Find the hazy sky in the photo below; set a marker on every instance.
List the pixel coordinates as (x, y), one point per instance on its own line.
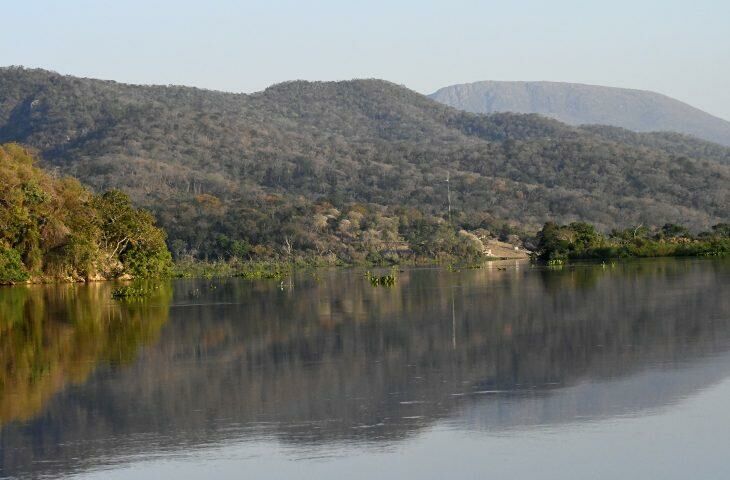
(680, 48)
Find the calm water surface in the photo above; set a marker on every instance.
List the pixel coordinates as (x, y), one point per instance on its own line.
(579, 372)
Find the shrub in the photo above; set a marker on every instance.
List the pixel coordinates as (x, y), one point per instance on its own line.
(11, 266)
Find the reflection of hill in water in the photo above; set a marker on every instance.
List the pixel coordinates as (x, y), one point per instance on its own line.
(640, 393)
(337, 360)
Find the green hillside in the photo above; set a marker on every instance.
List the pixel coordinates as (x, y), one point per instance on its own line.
(363, 162)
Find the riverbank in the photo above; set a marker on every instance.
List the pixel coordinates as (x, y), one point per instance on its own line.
(281, 269)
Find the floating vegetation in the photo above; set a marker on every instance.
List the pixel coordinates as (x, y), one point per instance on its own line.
(459, 267)
(265, 270)
(382, 281)
(251, 270)
(199, 269)
(134, 291)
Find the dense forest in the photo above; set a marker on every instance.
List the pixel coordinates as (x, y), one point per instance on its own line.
(54, 228)
(364, 162)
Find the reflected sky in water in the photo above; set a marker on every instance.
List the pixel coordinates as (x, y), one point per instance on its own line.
(587, 371)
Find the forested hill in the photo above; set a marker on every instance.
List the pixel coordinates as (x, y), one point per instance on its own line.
(289, 162)
(578, 104)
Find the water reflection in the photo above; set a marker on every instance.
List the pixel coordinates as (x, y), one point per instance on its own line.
(330, 360)
(51, 337)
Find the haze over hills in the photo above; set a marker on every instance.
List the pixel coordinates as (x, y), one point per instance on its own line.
(269, 167)
(579, 104)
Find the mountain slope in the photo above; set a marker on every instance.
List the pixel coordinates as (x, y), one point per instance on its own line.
(578, 104)
(264, 166)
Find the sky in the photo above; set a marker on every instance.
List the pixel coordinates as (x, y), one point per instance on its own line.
(679, 48)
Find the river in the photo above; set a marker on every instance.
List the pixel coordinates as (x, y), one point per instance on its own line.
(508, 371)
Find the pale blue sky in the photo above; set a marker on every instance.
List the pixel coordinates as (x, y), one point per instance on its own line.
(680, 48)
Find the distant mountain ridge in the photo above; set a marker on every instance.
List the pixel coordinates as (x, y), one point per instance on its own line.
(581, 104)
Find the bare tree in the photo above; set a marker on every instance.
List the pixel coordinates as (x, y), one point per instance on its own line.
(288, 247)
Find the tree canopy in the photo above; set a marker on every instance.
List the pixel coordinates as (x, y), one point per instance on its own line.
(556, 243)
(53, 227)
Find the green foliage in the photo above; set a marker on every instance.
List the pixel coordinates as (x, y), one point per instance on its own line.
(252, 270)
(136, 291)
(11, 266)
(218, 168)
(190, 268)
(229, 249)
(55, 228)
(132, 236)
(265, 270)
(147, 260)
(722, 230)
(557, 243)
(130, 291)
(434, 238)
(382, 281)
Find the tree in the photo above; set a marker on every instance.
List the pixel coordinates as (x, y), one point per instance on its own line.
(131, 235)
(56, 228)
(671, 230)
(11, 266)
(722, 230)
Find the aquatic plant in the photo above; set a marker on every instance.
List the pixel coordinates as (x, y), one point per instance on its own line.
(265, 270)
(384, 280)
(133, 291)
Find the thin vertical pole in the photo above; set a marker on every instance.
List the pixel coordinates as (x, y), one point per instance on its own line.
(453, 321)
(448, 193)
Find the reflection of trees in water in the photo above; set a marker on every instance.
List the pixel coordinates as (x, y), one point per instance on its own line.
(335, 359)
(54, 336)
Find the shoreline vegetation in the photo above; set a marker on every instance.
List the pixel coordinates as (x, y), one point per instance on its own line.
(556, 244)
(553, 245)
(54, 229)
